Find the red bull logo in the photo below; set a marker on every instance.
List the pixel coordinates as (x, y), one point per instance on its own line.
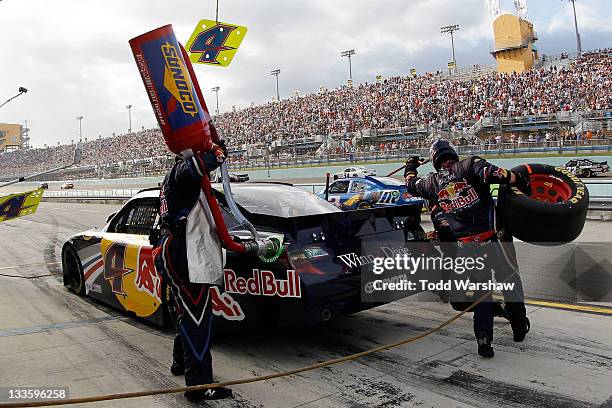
(177, 82)
(147, 278)
(224, 305)
(456, 195)
(263, 283)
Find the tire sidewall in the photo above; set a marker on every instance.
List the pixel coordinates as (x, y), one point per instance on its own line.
(75, 279)
(543, 222)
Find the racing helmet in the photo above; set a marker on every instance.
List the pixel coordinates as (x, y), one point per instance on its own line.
(439, 149)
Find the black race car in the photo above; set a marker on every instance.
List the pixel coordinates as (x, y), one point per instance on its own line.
(314, 280)
(587, 167)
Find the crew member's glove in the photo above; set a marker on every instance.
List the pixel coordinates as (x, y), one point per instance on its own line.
(412, 164)
(215, 156)
(522, 183)
(221, 144)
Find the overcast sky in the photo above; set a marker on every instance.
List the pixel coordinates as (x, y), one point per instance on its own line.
(74, 57)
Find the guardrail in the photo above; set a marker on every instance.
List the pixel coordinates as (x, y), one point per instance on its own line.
(492, 149)
(600, 204)
(93, 194)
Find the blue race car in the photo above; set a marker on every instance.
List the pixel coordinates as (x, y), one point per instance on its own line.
(367, 192)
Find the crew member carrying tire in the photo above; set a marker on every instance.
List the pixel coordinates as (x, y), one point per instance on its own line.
(462, 190)
(179, 200)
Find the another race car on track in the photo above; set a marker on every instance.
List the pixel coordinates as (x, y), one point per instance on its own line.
(367, 192)
(587, 167)
(316, 278)
(355, 171)
(215, 177)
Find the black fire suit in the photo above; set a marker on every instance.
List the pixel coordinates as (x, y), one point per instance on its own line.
(462, 192)
(179, 193)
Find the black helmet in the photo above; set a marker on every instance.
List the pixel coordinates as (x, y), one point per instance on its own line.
(439, 149)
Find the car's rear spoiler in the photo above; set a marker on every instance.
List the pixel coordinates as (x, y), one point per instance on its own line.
(335, 225)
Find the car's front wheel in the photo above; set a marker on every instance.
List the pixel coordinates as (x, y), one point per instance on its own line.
(73, 271)
(587, 173)
(364, 205)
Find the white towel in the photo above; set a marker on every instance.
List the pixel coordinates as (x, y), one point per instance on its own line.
(205, 256)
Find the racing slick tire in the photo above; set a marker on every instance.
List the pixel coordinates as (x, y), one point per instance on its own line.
(364, 205)
(73, 271)
(555, 212)
(587, 173)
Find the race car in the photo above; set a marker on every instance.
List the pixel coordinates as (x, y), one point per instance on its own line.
(67, 186)
(367, 192)
(356, 171)
(587, 167)
(317, 276)
(215, 177)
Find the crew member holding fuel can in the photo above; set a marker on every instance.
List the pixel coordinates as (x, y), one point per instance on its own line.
(179, 196)
(188, 254)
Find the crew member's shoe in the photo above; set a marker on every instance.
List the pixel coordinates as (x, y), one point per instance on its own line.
(177, 368)
(209, 394)
(521, 329)
(484, 346)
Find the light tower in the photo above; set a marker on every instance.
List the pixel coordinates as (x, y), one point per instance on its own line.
(450, 29)
(129, 108)
(275, 73)
(216, 91)
(578, 40)
(349, 53)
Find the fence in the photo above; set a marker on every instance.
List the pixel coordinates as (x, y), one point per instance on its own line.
(488, 149)
(86, 194)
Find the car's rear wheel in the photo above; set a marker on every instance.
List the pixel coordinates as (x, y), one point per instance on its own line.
(587, 173)
(73, 271)
(554, 213)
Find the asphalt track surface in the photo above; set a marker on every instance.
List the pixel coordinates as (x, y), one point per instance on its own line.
(51, 337)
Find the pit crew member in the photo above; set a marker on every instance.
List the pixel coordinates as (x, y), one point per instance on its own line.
(461, 189)
(180, 199)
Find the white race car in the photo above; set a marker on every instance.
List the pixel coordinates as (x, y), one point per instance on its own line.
(356, 171)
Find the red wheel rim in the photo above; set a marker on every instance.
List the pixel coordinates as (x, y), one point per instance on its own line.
(547, 188)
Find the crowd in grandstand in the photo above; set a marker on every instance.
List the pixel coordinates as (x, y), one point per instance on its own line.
(409, 101)
(397, 102)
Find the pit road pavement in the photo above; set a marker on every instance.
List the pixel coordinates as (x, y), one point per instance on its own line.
(51, 337)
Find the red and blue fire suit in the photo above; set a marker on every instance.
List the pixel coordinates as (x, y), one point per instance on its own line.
(179, 194)
(462, 192)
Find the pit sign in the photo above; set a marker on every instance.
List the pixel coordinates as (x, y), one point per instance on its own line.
(215, 43)
(20, 204)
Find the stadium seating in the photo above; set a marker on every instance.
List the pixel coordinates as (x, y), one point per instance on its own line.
(396, 114)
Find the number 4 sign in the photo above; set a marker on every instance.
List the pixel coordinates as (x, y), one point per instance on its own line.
(214, 43)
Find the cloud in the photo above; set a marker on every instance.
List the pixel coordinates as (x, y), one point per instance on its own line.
(74, 57)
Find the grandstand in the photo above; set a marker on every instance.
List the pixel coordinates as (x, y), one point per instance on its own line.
(555, 105)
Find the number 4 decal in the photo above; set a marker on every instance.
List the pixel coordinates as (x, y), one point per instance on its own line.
(214, 43)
